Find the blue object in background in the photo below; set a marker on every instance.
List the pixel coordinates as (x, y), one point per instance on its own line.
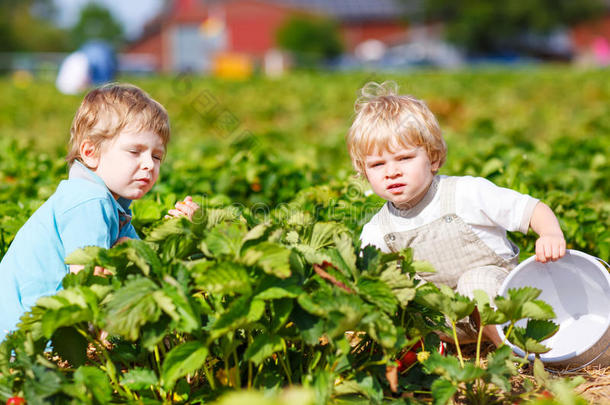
(102, 61)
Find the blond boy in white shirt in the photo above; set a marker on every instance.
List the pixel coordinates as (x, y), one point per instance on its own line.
(458, 224)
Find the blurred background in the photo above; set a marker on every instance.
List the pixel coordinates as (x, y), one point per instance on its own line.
(239, 38)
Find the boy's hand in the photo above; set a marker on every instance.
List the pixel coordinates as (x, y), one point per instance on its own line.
(186, 208)
(550, 244)
(550, 247)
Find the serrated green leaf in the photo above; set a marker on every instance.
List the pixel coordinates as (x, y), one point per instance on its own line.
(280, 313)
(216, 216)
(274, 293)
(138, 379)
(225, 239)
(222, 277)
(263, 347)
(442, 391)
(345, 247)
(487, 315)
(131, 307)
(381, 328)
(421, 266)
(537, 309)
(242, 311)
(96, 383)
(528, 343)
(84, 256)
(257, 232)
(363, 385)
(322, 234)
(182, 360)
(168, 228)
(185, 317)
(44, 383)
(292, 238)
(454, 306)
(402, 286)
(512, 305)
(449, 367)
(378, 293)
(501, 367)
(143, 256)
(271, 257)
(66, 316)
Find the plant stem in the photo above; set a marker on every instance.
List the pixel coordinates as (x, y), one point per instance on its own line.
(250, 340)
(286, 370)
(157, 359)
(237, 370)
(110, 369)
(457, 344)
(510, 329)
(479, 338)
(209, 376)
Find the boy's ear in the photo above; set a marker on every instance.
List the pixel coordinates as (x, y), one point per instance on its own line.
(89, 154)
(435, 165)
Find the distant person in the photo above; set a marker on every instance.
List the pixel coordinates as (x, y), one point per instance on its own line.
(94, 64)
(458, 224)
(117, 142)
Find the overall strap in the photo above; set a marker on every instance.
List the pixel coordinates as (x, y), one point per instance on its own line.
(385, 220)
(447, 196)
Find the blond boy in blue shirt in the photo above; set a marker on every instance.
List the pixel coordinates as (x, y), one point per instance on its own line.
(117, 142)
(457, 223)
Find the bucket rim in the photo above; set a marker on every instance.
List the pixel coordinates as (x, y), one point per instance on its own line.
(556, 359)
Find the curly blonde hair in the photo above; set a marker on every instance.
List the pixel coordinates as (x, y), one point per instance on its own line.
(112, 108)
(386, 120)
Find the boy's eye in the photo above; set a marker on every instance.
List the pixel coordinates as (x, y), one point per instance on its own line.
(157, 157)
(375, 164)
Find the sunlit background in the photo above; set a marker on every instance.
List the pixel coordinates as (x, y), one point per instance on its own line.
(238, 38)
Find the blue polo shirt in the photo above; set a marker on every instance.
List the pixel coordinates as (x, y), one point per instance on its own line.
(82, 212)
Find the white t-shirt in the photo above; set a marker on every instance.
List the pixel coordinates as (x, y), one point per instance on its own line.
(488, 209)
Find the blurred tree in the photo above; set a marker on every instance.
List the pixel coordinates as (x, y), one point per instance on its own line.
(97, 22)
(26, 25)
(483, 26)
(311, 40)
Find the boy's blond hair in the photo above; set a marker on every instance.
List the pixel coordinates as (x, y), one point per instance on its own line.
(386, 120)
(108, 110)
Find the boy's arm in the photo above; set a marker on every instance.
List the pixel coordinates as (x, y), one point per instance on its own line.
(551, 244)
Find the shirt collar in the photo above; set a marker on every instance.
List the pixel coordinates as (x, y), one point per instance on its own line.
(417, 208)
(80, 171)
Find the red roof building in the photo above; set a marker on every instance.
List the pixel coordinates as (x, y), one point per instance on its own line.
(188, 34)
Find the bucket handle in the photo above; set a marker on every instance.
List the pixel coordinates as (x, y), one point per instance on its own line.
(604, 262)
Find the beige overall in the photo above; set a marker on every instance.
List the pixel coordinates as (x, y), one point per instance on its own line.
(462, 260)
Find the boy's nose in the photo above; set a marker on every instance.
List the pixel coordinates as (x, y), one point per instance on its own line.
(392, 171)
(147, 162)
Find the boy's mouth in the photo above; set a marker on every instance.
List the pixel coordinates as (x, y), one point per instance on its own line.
(395, 188)
(143, 180)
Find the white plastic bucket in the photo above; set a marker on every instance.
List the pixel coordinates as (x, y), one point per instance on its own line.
(577, 286)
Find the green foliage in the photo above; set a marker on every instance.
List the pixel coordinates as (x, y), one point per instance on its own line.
(96, 22)
(26, 26)
(311, 40)
(491, 26)
(267, 288)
